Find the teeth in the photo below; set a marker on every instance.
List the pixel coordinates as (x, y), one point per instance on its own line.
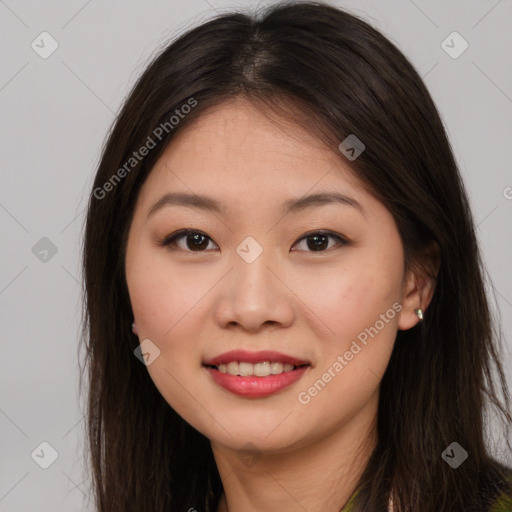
(232, 368)
(276, 368)
(262, 369)
(246, 369)
(259, 369)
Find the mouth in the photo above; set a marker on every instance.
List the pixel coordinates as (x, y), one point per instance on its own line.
(256, 374)
(255, 358)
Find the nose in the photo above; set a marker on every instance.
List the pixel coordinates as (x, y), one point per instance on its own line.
(253, 295)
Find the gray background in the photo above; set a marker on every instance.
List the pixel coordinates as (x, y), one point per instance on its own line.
(55, 113)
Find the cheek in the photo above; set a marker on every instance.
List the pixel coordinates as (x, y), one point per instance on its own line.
(352, 297)
(162, 294)
(166, 301)
(358, 307)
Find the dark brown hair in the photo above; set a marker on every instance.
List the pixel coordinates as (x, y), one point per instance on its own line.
(324, 69)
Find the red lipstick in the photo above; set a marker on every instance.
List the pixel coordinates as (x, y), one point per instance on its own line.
(252, 386)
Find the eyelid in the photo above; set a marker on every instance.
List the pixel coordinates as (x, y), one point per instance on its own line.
(170, 239)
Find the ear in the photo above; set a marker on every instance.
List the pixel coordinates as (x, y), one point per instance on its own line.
(419, 285)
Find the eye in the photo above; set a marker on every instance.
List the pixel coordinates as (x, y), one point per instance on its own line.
(319, 239)
(197, 241)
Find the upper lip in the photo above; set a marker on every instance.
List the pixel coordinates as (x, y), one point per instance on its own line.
(254, 357)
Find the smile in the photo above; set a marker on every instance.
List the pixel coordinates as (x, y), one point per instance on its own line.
(255, 375)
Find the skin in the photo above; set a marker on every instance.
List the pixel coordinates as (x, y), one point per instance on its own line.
(309, 304)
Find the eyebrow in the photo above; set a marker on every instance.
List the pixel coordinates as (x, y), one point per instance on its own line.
(291, 206)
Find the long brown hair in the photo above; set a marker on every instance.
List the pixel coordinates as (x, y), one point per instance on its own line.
(319, 67)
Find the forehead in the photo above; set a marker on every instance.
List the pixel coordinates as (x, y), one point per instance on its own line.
(235, 149)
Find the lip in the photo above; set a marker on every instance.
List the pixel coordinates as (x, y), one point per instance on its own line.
(256, 387)
(255, 357)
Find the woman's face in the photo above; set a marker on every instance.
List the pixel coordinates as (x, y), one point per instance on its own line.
(252, 277)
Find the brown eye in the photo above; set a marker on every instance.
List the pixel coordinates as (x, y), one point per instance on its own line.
(195, 241)
(318, 241)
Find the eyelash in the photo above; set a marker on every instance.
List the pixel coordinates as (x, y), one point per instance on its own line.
(169, 241)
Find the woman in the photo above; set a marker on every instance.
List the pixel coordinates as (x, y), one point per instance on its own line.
(285, 305)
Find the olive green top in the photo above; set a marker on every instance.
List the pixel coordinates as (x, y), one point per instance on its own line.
(502, 504)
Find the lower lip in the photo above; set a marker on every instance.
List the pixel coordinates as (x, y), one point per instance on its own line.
(256, 387)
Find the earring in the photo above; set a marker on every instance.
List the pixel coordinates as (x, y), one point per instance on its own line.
(134, 329)
(419, 313)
